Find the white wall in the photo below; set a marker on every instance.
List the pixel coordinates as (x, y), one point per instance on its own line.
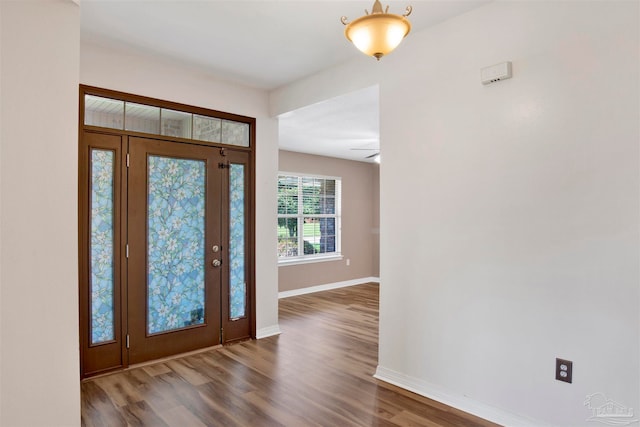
(1, 48)
(127, 72)
(38, 215)
(321, 86)
(525, 200)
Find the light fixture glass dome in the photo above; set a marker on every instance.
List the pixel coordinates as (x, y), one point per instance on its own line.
(378, 33)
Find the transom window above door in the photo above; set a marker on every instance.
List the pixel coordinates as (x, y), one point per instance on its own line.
(308, 218)
(138, 117)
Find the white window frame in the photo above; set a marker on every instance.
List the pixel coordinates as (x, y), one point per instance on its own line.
(311, 258)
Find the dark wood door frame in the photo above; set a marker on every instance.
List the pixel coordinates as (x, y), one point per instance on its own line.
(96, 359)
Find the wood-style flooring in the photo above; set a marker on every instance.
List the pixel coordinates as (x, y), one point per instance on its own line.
(318, 372)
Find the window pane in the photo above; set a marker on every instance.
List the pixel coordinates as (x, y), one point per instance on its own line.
(311, 188)
(311, 236)
(102, 246)
(329, 187)
(328, 196)
(235, 133)
(287, 237)
(287, 195)
(103, 112)
(327, 228)
(327, 205)
(319, 235)
(142, 118)
(207, 128)
(176, 201)
(238, 286)
(176, 123)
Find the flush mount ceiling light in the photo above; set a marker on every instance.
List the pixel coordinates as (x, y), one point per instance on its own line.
(379, 32)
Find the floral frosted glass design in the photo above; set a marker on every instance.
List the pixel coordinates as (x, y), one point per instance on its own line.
(176, 226)
(237, 281)
(102, 262)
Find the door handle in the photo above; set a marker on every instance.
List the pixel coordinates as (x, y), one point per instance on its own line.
(216, 263)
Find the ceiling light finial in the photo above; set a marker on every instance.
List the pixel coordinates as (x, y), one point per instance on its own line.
(379, 32)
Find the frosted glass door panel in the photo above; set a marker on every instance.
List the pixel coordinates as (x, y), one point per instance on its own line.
(102, 246)
(237, 281)
(175, 253)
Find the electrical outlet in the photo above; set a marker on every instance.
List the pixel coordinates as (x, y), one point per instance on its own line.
(348, 262)
(564, 370)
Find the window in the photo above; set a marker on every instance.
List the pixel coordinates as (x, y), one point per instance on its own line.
(308, 218)
(125, 115)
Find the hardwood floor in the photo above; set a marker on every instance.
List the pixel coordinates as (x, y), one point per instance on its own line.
(318, 372)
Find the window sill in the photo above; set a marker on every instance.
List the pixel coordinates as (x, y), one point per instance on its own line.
(296, 261)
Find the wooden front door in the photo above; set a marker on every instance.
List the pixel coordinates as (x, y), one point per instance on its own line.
(164, 234)
(175, 254)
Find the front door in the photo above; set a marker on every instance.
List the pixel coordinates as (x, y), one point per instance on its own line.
(175, 248)
(164, 236)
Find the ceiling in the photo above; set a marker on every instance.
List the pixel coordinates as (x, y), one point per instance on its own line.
(264, 44)
(346, 127)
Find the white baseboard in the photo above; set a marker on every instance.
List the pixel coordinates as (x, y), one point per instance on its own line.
(269, 331)
(328, 286)
(462, 403)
